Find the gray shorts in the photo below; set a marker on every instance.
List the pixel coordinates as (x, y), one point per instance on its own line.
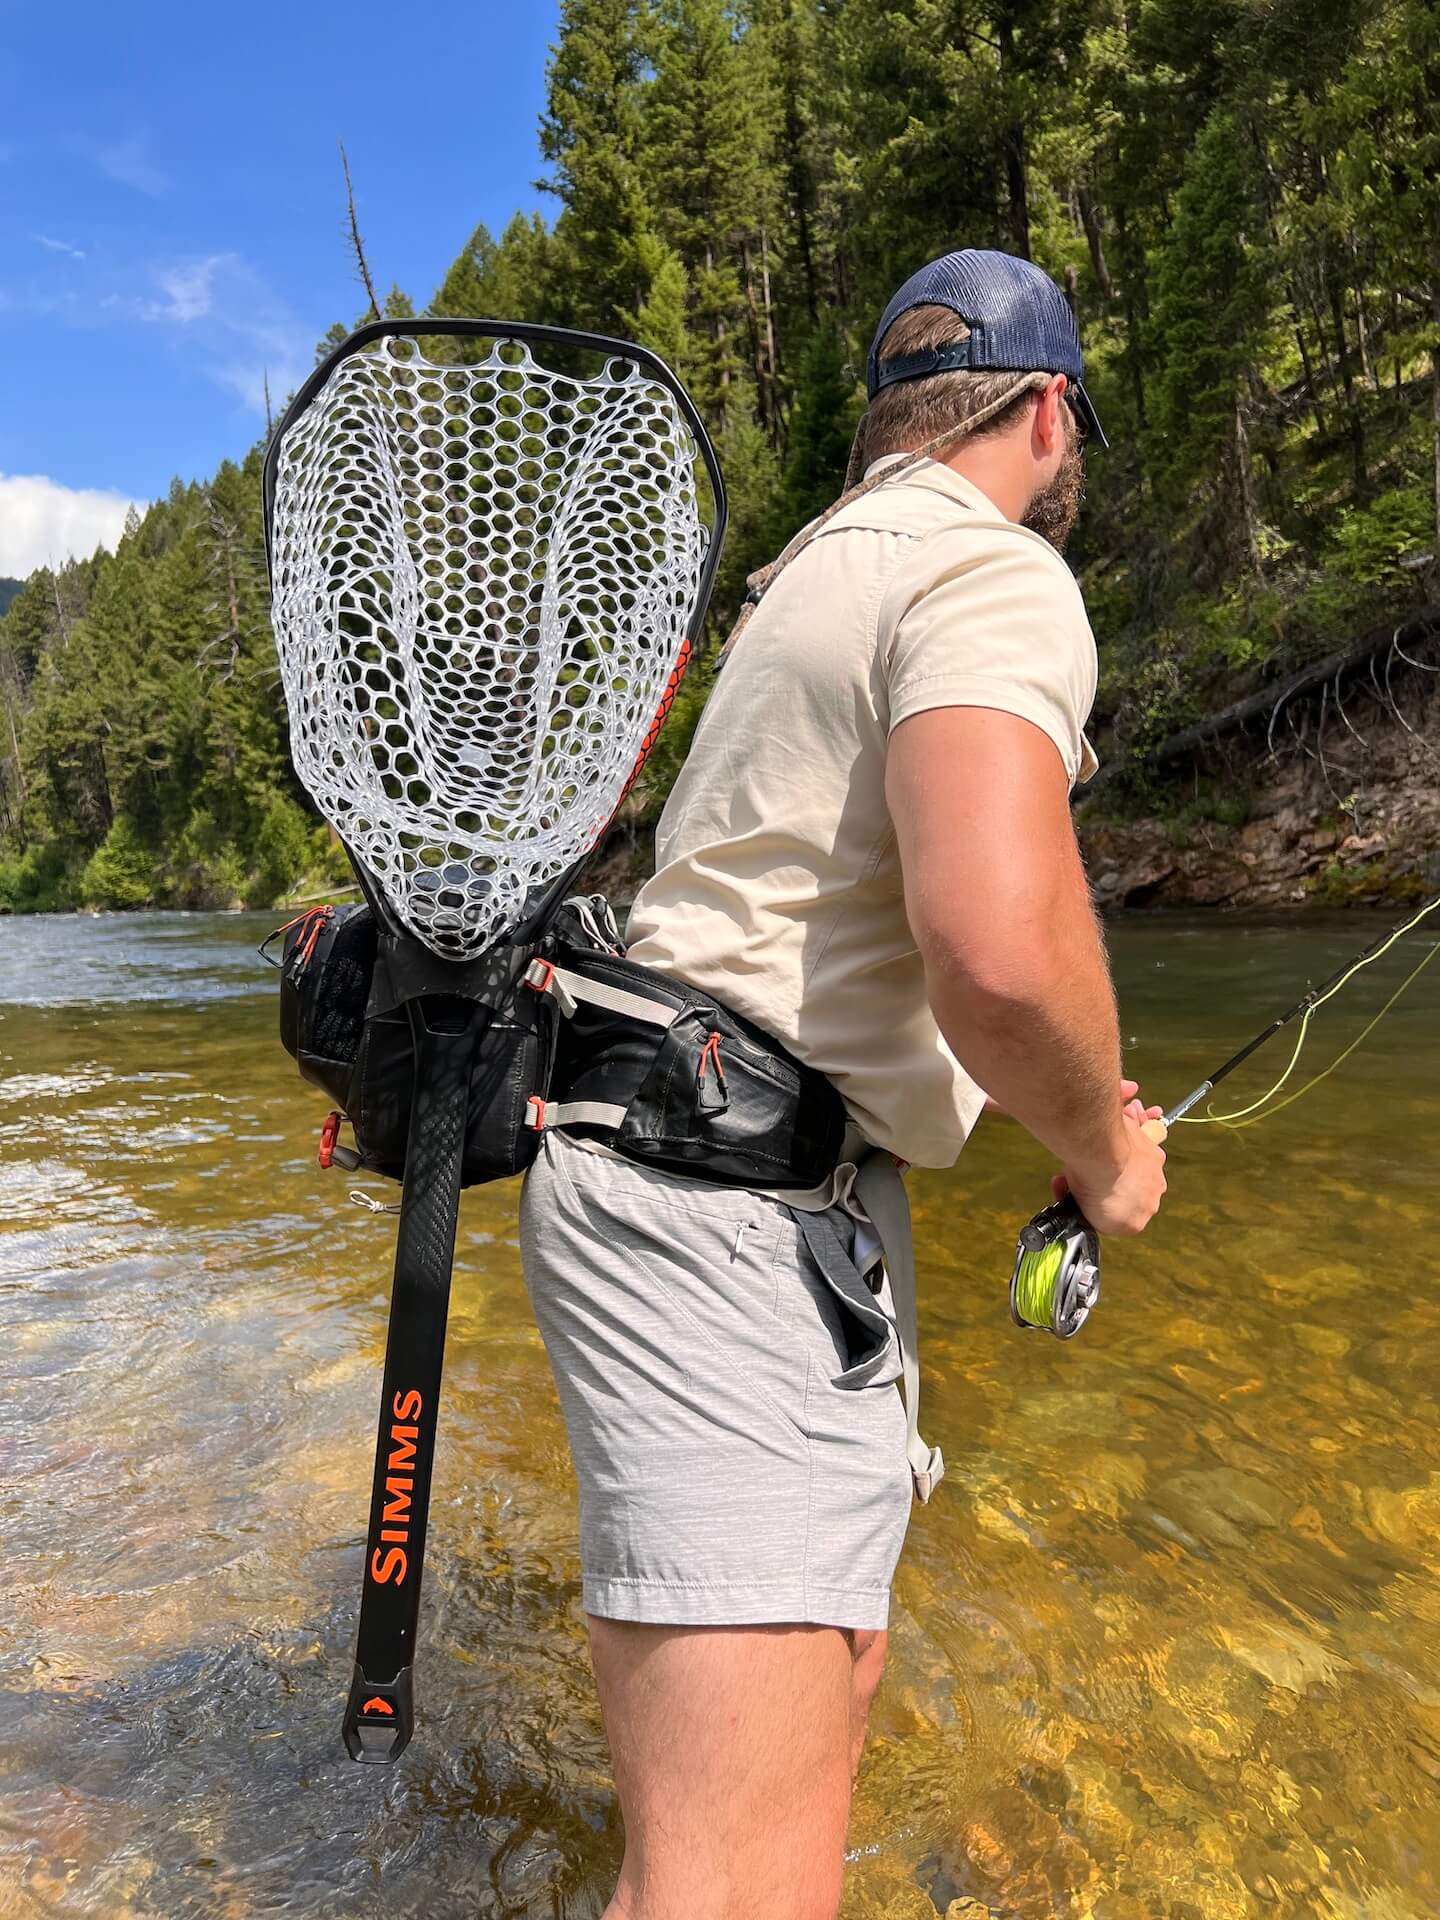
(728, 1380)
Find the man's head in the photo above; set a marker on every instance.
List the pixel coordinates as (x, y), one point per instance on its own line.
(985, 345)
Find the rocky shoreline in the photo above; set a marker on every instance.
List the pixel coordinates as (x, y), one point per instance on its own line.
(1341, 821)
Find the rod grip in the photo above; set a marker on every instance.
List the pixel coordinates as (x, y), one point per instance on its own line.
(1155, 1130)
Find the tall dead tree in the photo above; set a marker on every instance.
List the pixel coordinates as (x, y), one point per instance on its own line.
(356, 243)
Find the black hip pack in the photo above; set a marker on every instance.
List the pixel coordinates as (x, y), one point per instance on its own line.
(578, 1038)
(666, 1075)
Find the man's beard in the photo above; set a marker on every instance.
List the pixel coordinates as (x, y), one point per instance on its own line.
(1052, 512)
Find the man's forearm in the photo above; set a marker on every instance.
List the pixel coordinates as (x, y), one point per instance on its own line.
(1044, 1043)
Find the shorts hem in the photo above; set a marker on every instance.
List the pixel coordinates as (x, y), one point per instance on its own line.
(659, 1603)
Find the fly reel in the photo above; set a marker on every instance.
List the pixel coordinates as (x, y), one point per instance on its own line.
(1056, 1280)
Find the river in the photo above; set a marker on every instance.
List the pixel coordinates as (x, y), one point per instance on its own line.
(1166, 1643)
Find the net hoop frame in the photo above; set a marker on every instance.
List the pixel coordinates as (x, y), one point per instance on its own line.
(529, 334)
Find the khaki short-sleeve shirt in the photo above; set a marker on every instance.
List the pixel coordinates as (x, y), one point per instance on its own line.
(778, 885)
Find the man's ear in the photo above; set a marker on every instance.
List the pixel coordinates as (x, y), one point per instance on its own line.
(1050, 414)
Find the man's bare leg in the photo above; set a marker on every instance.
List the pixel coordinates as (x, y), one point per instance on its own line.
(867, 1653)
(734, 1751)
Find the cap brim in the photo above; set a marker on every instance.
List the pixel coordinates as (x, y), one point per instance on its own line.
(1087, 413)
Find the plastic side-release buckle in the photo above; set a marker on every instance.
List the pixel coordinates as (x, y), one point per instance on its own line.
(544, 977)
(329, 1134)
(535, 1113)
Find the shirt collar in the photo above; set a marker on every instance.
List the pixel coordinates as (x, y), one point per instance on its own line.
(940, 479)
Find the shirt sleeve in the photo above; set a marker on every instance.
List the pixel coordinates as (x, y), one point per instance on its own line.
(992, 617)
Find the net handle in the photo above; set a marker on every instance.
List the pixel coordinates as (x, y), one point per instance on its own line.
(528, 333)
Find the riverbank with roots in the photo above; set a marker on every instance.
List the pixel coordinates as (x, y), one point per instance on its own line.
(1323, 791)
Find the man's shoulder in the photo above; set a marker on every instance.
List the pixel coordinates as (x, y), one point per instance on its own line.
(996, 562)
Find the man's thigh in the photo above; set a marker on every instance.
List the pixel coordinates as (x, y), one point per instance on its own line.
(733, 1753)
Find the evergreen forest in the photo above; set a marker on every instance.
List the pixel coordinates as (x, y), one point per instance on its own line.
(1240, 197)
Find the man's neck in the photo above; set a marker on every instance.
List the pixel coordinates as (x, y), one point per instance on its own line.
(991, 466)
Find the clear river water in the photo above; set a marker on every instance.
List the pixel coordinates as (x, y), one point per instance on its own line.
(1165, 1646)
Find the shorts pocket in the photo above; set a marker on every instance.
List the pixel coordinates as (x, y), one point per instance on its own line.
(867, 1351)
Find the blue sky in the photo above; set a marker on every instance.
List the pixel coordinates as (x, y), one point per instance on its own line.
(171, 217)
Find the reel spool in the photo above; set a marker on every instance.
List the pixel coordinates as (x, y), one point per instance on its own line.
(1056, 1280)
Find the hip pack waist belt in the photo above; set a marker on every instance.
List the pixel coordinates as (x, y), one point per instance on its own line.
(662, 1074)
(668, 1076)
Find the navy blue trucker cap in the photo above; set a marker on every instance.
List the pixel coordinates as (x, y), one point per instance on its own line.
(1018, 318)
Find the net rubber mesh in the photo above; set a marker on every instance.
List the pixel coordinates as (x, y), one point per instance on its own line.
(483, 577)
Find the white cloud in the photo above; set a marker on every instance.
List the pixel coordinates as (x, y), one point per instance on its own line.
(128, 162)
(43, 523)
(189, 289)
(51, 245)
(229, 315)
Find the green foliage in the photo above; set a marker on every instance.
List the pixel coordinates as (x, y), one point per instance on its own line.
(120, 873)
(282, 852)
(1242, 202)
(1370, 542)
(43, 879)
(1212, 321)
(205, 869)
(143, 756)
(822, 425)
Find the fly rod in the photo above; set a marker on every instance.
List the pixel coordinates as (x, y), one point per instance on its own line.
(1056, 1278)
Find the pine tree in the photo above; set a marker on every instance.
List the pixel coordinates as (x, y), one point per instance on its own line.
(1214, 314)
(506, 279)
(706, 120)
(828, 405)
(590, 134)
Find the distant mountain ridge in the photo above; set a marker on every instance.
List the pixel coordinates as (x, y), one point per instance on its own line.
(8, 591)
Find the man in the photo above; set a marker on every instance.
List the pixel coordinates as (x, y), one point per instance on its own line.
(869, 854)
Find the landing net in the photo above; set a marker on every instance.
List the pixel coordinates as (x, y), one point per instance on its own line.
(483, 579)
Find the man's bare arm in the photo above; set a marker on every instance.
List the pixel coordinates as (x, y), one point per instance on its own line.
(1015, 967)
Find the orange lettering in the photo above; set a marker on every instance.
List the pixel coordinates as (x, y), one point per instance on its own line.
(404, 1453)
(408, 1405)
(388, 1567)
(397, 1508)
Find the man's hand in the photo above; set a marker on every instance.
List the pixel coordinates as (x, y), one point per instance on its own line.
(1124, 1202)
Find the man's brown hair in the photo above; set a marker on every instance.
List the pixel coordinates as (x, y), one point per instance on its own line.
(914, 412)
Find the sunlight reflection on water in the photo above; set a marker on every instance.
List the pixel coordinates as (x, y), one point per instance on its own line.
(1165, 1644)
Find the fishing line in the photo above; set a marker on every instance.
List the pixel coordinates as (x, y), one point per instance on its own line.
(1238, 1125)
(1056, 1278)
(1240, 1117)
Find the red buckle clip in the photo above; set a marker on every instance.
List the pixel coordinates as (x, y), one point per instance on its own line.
(329, 1134)
(540, 974)
(535, 1113)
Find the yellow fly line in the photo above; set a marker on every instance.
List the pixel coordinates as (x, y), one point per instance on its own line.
(1251, 1116)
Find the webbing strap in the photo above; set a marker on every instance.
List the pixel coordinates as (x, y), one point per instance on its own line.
(577, 987)
(881, 1191)
(585, 1113)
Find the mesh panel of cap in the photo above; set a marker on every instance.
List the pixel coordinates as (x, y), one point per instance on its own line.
(1018, 317)
(482, 580)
